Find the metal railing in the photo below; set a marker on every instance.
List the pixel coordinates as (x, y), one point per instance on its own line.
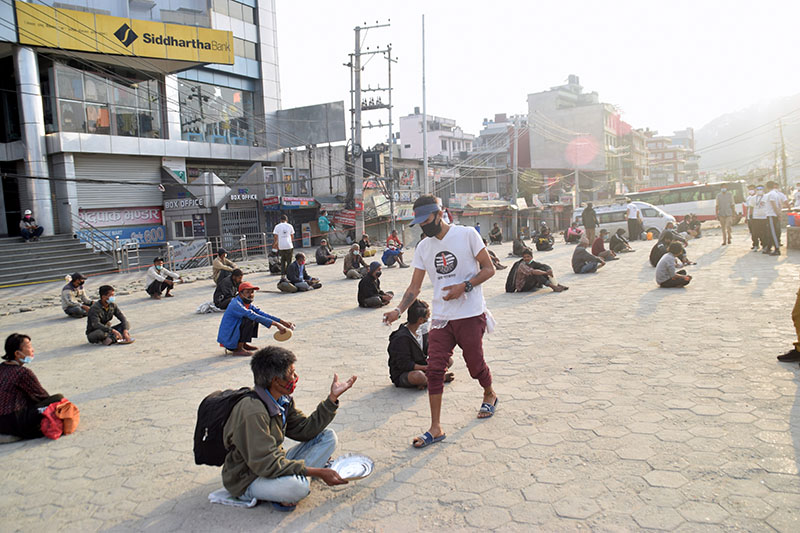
(130, 256)
(98, 240)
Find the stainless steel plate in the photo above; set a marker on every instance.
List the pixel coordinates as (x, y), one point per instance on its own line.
(353, 466)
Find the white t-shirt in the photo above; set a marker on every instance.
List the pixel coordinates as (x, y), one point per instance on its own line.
(797, 198)
(451, 261)
(633, 211)
(284, 231)
(759, 206)
(774, 196)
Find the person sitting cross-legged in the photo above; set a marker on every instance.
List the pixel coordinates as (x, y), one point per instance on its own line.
(528, 275)
(408, 350)
(583, 262)
(74, 301)
(256, 465)
(298, 278)
(354, 265)
(573, 234)
(98, 322)
(518, 245)
(369, 288)
(324, 254)
(599, 247)
(618, 243)
(666, 274)
(239, 324)
(227, 289)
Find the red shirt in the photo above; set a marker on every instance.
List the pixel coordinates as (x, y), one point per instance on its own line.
(396, 240)
(598, 246)
(19, 389)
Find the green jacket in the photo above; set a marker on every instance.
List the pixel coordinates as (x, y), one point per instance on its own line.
(100, 317)
(254, 434)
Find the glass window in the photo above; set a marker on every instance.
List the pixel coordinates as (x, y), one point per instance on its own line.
(649, 212)
(123, 94)
(221, 6)
(235, 10)
(96, 89)
(183, 229)
(672, 197)
(97, 119)
(69, 83)
(250, 50)
(215, 114)
(248, 14)
(444, 144)
(238, 47)
(71, 114)
(126, 121)
(149, 124)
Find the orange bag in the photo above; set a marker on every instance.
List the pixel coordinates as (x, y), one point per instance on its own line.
(52, 427)
(69, 414)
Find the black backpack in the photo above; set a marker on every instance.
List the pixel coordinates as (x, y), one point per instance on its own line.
(214, 410)
(512, 277)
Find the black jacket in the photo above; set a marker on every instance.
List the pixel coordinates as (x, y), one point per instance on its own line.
(293, 273)
(589, 218)
(368, 287)
(225, 292)
(658, 251)
(405, 352)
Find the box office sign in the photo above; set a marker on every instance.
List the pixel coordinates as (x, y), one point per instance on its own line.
(183, 203)
(124, 216)
(40, 25)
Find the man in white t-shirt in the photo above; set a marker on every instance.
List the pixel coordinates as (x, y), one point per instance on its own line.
(457, 263)
(283, 243)
(758, 219)
(774, 202)
(635, 222)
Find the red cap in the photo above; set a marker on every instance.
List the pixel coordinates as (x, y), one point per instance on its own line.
(247, 285)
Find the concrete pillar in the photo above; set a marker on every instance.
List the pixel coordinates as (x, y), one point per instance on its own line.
(172, 98)
(63, 166)
(38, 197)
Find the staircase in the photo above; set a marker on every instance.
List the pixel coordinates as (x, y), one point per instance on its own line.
(50, 258)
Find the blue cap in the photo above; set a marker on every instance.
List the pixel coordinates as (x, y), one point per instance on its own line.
(375, 265)
(423, 212)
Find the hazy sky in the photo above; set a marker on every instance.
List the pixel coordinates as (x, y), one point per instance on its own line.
(667, 65)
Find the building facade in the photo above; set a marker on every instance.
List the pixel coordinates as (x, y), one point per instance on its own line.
(672, 159)
(446, 140)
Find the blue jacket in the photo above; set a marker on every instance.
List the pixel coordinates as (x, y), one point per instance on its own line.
(296, 274)
(228, 335)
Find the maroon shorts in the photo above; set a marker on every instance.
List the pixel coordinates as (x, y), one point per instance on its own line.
(467, 334)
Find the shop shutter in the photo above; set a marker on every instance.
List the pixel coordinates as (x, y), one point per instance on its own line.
(117, 169)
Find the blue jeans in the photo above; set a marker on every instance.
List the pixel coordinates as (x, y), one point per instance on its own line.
(292, 489)
(589, 267)
(28, 234)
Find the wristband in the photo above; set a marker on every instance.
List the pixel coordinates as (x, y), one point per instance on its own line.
(399, 312)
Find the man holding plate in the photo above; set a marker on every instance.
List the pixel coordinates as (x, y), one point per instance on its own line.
(256, 466)
(457, 262)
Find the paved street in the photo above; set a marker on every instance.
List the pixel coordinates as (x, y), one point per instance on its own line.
(622, 407)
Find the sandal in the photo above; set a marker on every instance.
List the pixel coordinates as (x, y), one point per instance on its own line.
(283, 508)
(426, 439)
(487, 408)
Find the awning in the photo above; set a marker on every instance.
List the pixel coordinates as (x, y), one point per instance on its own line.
(483, 205)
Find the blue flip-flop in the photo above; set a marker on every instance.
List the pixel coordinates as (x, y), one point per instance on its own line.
(428, 439)
(283, 508)
(488, 408)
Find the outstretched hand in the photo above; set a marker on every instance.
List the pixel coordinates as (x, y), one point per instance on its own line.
(338, 388)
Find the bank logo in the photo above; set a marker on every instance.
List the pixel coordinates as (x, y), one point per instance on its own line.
(126, 35)
(445, 262)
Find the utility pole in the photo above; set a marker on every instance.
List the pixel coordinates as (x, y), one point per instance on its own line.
(427, 189)
(391, 143)
(515, 182)
(783, 158)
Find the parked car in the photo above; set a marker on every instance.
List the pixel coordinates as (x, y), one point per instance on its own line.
(612, 217)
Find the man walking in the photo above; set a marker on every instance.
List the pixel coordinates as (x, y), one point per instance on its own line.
(725, 213)
(457, 263)
(283, 242)
(589, 219)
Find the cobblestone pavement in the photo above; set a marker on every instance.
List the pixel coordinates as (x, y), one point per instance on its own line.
(622, 407)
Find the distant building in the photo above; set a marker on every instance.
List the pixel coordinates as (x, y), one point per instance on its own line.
(446, 140)
(671, 158)
(634, 158)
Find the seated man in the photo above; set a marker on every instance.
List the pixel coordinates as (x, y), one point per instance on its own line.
(493, 256)
(394, 240)
(694, 227)
(676, 235)
(298, 278)
(222, 266)
(98, 320)
(496, 234)
(256, 465)
(666, 275)
(159, 278)
(543, 238)
(239, 324)
(391, 256)
(354, 265)
(583, 262)
(369, 289)
(662, 246)
(573, 234)
(408, 350)
(28, 228)
(74, 301)
(227, 289)
(325, 255)
(599, 247)
(528, 275)
(518, 245)
(618, 243)
(274, 261)
(364, 245)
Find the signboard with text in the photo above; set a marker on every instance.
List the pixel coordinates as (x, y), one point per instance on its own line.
(144, 235)
(184, 203)
(123, 216)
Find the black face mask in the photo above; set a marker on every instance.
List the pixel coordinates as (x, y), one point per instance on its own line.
(378, 274)
(247, 300)
(432, 229)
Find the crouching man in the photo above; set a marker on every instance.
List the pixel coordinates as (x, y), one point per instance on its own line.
(256, 465)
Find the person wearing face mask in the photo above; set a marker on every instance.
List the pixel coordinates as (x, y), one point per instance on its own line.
(456, 260)
(256, 465)
(750, 203)
(74, 301)
(239, 324)
(324, 254)
(408, 350)
(369, 288)
(528, 275)
(22, 397)
(354, 265)
(227, 289)
(298, 277)
(758, 219)
(726, 210)
(98, 321)
(28, 227)
(159, 278)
